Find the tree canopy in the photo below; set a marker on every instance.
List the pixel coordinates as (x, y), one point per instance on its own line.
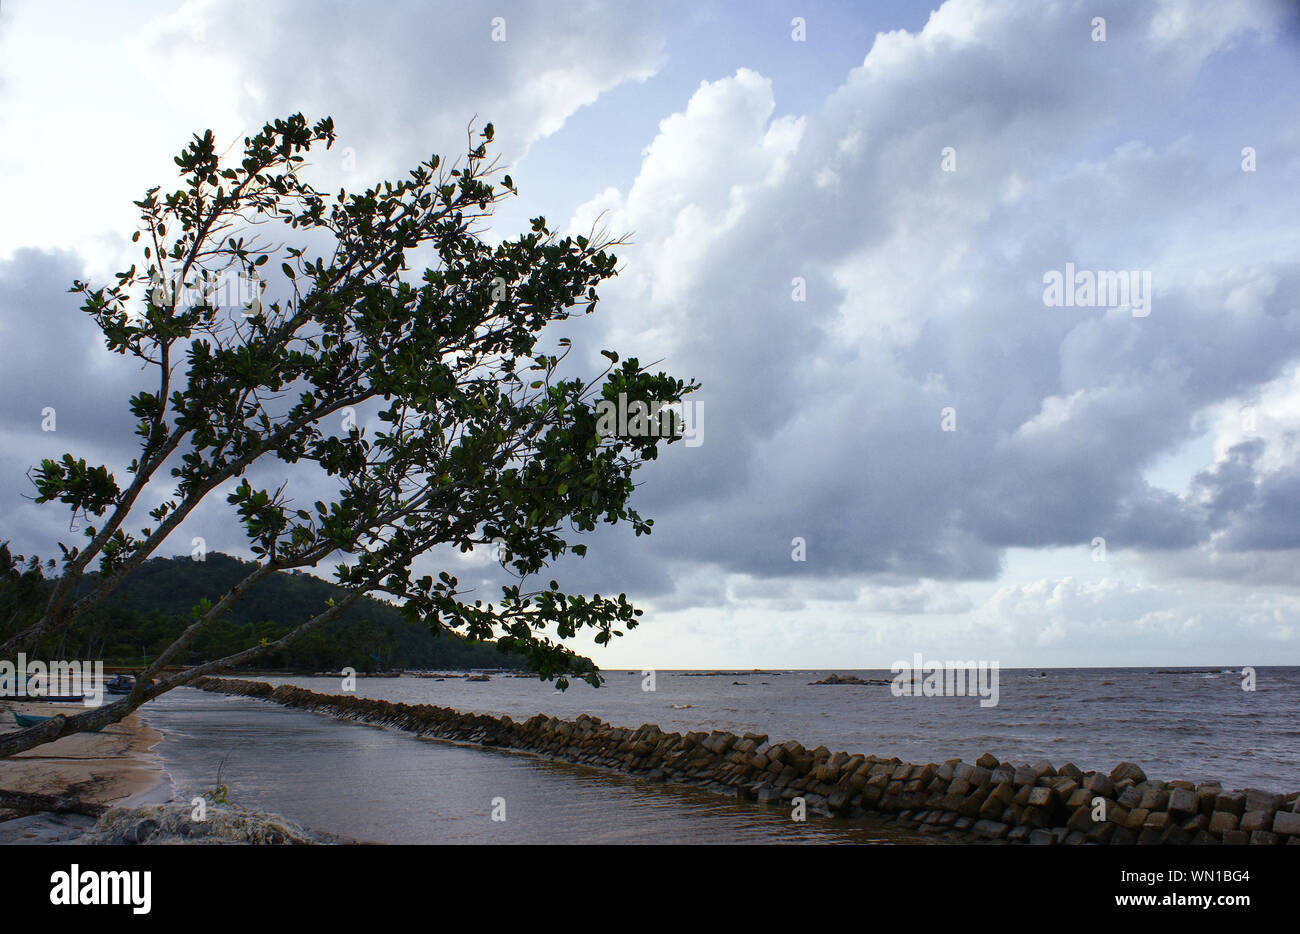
(488, 437)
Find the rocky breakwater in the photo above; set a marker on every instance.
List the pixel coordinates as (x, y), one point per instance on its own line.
(987, 801)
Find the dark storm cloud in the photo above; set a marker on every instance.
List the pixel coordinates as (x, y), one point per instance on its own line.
(54, 358)
(823, 419)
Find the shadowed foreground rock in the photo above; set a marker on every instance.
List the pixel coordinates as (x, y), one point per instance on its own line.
(172, 824)
(987, 802)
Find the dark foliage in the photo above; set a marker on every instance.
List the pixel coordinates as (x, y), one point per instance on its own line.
(151, 608)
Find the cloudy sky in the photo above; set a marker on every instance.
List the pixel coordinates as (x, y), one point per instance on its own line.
(843, 215)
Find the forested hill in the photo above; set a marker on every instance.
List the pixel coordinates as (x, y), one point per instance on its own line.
(154, 605)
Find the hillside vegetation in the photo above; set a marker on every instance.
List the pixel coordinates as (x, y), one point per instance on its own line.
(154, 605)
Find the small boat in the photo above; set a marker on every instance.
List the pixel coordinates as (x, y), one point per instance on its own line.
(27, 719)
(43, 698)
(122, 684)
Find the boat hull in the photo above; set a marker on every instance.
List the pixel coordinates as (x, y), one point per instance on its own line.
(26, 719)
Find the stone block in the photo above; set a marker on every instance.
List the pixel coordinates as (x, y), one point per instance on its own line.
(1257, 800)
(1233, 802)
(1079, 798)
(1070, 770)
(1286, 822)
(1127, 770)
(1080, 819)
(1117, 814)
(990, 828)
(1256, 820)
(1136, 818)
(991, 809)
(1041, 797)
(1099, 783)
(1182, 802)
(1158, 820)
(1100, 833)
(1123, 837)
(1130, 797)
(1155, 799)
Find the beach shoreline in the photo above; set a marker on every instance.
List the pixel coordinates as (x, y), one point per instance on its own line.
(112, 787)
(117, 767)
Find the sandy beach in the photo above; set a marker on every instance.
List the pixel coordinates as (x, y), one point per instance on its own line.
(115, 767)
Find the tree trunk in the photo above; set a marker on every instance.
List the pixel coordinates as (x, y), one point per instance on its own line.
(67, 803)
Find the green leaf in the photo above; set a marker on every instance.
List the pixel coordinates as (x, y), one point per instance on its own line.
(479, 431)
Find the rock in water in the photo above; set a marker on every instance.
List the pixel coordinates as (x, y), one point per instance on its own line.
(848, 679)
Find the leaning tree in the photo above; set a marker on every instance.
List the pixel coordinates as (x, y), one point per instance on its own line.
(485, 437)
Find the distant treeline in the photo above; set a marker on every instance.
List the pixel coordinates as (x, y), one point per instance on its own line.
(154, 605)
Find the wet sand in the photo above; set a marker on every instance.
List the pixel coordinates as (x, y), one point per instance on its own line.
(117, 766)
